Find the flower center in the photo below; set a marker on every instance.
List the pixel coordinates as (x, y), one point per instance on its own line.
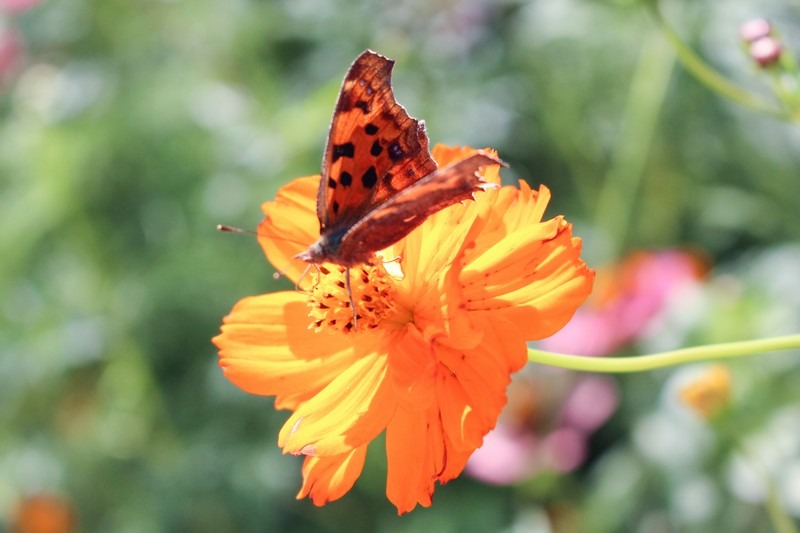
(329, 301)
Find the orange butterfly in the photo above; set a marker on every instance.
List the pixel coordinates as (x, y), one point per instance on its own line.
(378, 180)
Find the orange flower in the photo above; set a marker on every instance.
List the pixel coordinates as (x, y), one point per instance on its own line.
(44, 513)
(442, 325)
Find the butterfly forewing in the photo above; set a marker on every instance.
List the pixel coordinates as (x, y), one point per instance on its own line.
(374, 150)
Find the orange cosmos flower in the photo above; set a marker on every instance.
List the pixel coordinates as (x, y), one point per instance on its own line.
(442, 325)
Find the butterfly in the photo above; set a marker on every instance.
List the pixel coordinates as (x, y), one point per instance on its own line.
(378, 180)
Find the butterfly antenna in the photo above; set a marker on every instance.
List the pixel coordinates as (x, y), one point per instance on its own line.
(276, 275)
(350, 296)
(231, 229)
(269, 235)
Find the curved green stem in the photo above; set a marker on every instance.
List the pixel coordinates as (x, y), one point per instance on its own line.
(664, 359)
(710, 77)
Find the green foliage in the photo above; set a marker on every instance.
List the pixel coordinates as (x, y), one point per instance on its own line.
(132, 128)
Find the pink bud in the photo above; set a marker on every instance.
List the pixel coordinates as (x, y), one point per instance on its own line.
(765, 51)
(755, 29)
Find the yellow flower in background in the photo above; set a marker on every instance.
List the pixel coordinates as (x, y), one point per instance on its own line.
(708, 393)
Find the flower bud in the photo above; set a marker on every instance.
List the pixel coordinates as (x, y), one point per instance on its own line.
(755, 29)
(765, 51)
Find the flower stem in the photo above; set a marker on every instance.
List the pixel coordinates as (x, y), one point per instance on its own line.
(616, 201)
(781, 521)
(664, 359)
(710, 77)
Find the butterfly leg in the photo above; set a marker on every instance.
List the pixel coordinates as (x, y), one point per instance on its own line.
(350, 296)
(303, 276)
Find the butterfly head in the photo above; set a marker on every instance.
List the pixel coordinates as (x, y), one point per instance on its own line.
(326, 249)
(315, 253)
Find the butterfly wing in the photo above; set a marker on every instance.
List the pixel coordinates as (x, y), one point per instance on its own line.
(374, 150)
(399, 215)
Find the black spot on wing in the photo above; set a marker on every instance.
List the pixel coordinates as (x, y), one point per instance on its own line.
(331, 183)
(335, 207)
(387, 182)
(395, 151)
(376, 149)
(346, 179)
(343, 150)
(370, 178)
(363, 106)
(371, 129)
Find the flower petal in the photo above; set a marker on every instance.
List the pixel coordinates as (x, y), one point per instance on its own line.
(326, 479)
(410, 448)
(428, 254)
(445, 155)
(428, 250)
(412, 368)
(472, 391)
(431, 247)
(533, 278)
(351, 411)
(291, 225)
(461, 234)
(266, 348)
(419, 453)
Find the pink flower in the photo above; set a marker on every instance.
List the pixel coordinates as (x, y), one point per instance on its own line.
(11, 51)
(545, 427)
(627, 297)
(17, 6)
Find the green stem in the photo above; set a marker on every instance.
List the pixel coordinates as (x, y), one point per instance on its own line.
(664, 359)
(710, 77)
(781, 521)
(616, 201)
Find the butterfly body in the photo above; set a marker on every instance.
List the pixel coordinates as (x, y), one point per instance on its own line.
(378, 179)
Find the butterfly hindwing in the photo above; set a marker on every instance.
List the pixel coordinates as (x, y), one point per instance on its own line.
(398, 216)
(374, 150)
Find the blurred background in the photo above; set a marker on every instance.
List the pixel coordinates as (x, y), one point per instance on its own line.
(129, 129)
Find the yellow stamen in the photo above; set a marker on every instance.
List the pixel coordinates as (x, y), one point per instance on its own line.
(329, 302)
